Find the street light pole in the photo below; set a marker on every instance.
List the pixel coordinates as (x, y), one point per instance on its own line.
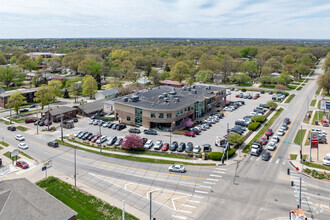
(37, 121)
(61, 127)
(301, 167)
(150, 200)
(75, 166)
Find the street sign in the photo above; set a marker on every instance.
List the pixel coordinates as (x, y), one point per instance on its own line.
(14, 153)
(314, 144)
(43, 168)
(48, 164)
(314, 136)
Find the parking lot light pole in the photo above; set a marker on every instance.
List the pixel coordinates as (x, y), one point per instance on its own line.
(61, 127)
(100, 129)
(37, 121)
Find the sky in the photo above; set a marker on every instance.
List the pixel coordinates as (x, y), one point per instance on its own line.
(286, 19)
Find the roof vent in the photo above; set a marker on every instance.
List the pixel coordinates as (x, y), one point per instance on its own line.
(152, 104)
(172, 92)
(160, 97)
(208, 87)
(193, 86)
(165, 94)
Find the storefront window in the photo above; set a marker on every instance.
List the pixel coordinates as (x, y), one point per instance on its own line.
(153, 115)
(169, 115)
(161, 115)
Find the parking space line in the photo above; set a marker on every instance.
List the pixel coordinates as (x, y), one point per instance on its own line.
(203, 192)
(218, 171)
(194, 201)
(270, 159)
(215, 175)
(190, 206)
(197, 196)
(209, 179)
(178, 216)
(258, 159)
(251, 158)
(220, 168)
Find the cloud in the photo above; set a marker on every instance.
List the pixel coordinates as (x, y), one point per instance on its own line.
(165, 18)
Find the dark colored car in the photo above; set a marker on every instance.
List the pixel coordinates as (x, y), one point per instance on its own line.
(243, 90)
(182, 147)
(112, 140)
(174, 146)
(121, 127)
(33, 106)
(23, 110)
(11, 128)
(231, 89)
(41, 123)
(195, 130)
(114, 126)
(86, 136)
(30, 120)
(266, 156)
(134, 130)
(207, 148)
(189, 133)
(22, 164)
(52, 144)
(36, 122)
(287, 121)
(262, 92)
(269, 132)
(263, 106)
(270, 93)
(189, 147)
(82, 134)
(150, 131)
(165, 147)
(144, 140)
(91, 137)
(221, 115)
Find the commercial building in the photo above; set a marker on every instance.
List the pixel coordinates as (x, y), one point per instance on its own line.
(27, 93)
(44, 54)
(55, 114)
(90, 108)
(107, 94)
(166, 106)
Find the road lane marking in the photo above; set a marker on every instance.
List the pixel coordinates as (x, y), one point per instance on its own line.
(278, 160)
(203, 192)
(184, 211)
(215, 175)
(201, 186)
(270, 159)
(194, 201)
(209, 179)
(208, 183)
(220, 169)
(178, 217)
(197, 196)
(278, 147)
(283, 163)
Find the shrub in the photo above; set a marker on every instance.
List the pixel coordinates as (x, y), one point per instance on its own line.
(285, 93)
(307, 170)
(258, 118)
(236, 139)
(133, 141)
(216, 156)
(254, 126)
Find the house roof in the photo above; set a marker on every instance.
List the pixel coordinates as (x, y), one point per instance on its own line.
(58, 77)
(170, 82)
(21, 199)
(24, 91)
(91, 107)
(59, 110)
(143, 81)
(108, 92)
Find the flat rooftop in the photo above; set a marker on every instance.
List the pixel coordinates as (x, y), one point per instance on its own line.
(168, 98)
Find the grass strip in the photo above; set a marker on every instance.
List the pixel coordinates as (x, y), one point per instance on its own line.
(132, 158)
(297, 138)
(307, 140)
(293, 156)
(86, 205)
(313, 102)
(21, 128)
(7, 154)
(288, 100)
(319, 166)
(318, 91)
(292, 87)
(262, 131)
(318, 116)
(5, 122)
(299, 88)
(4, 143)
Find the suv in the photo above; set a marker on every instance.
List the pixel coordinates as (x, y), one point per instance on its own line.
(158, 145)
(173, 146)
(269, 132)
(134, 130)
(324, 123)
(52, 144)
(11, 128)
(150, 131)
(148, 144)
(182, 147)
(207, 148)
(256, 148)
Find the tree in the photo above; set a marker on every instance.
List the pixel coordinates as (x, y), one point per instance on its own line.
(89, 87)
(19, 77)
(187, 122)
(266, 70)
(236, 139)
(66, 94)
(226, 66)
(55, 88)
(95, 69)
(327, 62)
(43, 96)
(72, 60)
(16, 100)
(285, 79)
(180, 71)
(240, 78)
(323, 81)
(301, 69)
(319, 52)
(6, 75)
(265, 79)
(280, 88)
(271, 104)
(249, 51)
(54, 64)
(3, 60)
(21, 59)
(250, 67)
(13, 60)
(273, 64)
(83, 66)
(29, 64)
(289, 59)
(133, 141)
(39, 60)
(74, 86)
(204, 76)
(154, 75)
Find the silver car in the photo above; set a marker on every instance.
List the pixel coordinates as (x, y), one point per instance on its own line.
(177, 168)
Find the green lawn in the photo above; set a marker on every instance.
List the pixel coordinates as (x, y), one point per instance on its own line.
(288, 100)
(295, 83)
(4, 143)
(299, 88)
(86, 205)
(308, 135)
(263, 130)
(313, 102)
(319, 166)
(318, 116)
(298, 135)
(5, 122)
(267, 86)
(318, 91)
(292, 87)
(26, 155)
(21, 128)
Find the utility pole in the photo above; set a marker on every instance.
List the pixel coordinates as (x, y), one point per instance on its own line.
(82, 108)
(227, 146)
(61, 127)
(100, 129)
(49, 118)
(310, 147)
(10, 116)
(123, 218)
(150, 200)
(301, 167)
(75, 166)
(37, 121)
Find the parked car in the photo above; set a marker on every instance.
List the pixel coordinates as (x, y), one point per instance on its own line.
(19, 137)
(275, 139)
(266, 156)
(30, 120)
(177, 168)
(121, 127)
(23, 146)
(271, 146)
(326, 160)
(269, 132)
(134, 130)
(287, 121)
(148, 144)
(23, 110)
(207, 148)
(189, 133)
(111, 140)
(324, 123)
(119, 141)
(41, 123)
(22, 164)
(36, 122)
(280, 132)
(33, 106)
(150, 131)
(144, 140)
(182, 147)
(174, 146)
(158, 145)
(189, 147)
(94, 139)
(101, 140)
(52, 144)
(11, 128)
(197, 149)
(82, 134)
(165, 146)
(48, 123)
(77, 133)
(263, 140)
(85, 136)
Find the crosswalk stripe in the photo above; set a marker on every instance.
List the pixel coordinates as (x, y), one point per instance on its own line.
(218, 171)
(209, 179)
(278, 160)
(184, 211)
(208, 183)
(215, 175)
(194, 201)
(179, 217)
(220, 168)
(190, 206)
(201, 186)
(203, 192)
(197, 196)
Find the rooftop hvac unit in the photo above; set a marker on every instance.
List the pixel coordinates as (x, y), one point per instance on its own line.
(193, 86)
(172, 92)
(194, 91)
(135, 98)
(125, 99)
(160, 97)
(165, 94)
(176, 99)
(208, 87)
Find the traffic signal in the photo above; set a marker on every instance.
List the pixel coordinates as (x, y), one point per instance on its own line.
(288, 171)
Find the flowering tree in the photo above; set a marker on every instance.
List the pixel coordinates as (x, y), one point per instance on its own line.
(133, 141)
(187, 122)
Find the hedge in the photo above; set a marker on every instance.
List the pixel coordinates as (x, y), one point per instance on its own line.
(254, 126)
(216, 156)
(258, 118)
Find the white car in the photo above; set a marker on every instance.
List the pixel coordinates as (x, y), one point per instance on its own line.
(23, 146)
(318, 130)
(148, 144)
(158, 145)
(275, 139)
(19, 137)
(77, 133)
(101, 140)
(196, 149)
(91, 121)
(280, 132)
(177, 168)
(271, 146)
(326, 160)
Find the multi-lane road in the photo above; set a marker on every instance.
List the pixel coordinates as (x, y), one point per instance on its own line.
(248, 189)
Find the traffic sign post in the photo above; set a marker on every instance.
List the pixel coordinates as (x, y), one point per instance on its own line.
(314, 143)
(46, 165)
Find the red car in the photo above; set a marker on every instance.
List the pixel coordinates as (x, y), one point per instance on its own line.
(263, 141)
(30, 120)
(269, 132)
(324, 123)
(165, 147)
(189, 133)
(95, 138)
(237, 96)
(255, 97)
(22, 164)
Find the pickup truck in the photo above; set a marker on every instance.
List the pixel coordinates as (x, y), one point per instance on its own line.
(256, 148)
